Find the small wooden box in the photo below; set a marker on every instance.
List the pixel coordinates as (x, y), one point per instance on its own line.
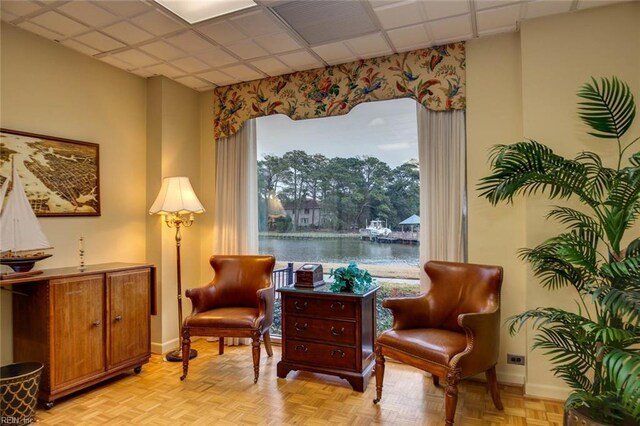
(309, 275)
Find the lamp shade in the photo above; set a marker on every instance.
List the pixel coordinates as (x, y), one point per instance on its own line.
(176, 196)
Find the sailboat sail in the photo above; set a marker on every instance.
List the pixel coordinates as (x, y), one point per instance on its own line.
(3, 192)
(19, 227)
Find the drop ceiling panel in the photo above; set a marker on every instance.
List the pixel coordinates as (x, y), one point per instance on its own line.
(194, 83)
(116, 62)
(400, 14)
(438, 9)
(218, 78)
(217, 57)
(82, 48)
(162, 50)
(127, 33)
(271, 66)
(135, 57)
(278, 43)
(499, 18)
(191, 65)
(99, 41)
(54, 21)
(370, 45)
(543, 8)
(486, 4)
(125, 8)
(164, 69)
(408, 38)
(19, 8)
(256, 23)
(88, 13)
(247, 49)
(37, 29)
(300, 60)
(335, 53)
(222, 32)
(451, 28)
(242, 72)
(190, 41)
(319, 22)
(157, 23)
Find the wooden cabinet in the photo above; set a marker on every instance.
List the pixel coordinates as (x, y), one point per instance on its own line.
(84, 326)
(326, 332)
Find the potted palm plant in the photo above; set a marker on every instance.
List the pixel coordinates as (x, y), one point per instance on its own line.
(595, 348)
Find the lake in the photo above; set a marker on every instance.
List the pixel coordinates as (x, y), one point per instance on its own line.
(341, 250)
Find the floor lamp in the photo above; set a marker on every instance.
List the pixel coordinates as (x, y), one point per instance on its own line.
(177, 202)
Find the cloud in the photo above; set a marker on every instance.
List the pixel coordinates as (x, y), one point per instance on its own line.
(378, 122)
(393, 146)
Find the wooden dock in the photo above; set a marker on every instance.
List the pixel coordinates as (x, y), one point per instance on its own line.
(408, 238)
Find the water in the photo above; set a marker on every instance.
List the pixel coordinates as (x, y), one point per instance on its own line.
(340, 250)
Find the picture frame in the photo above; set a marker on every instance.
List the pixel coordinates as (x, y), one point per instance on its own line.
(61, 177)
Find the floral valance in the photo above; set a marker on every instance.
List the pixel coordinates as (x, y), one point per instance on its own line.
(435, 77)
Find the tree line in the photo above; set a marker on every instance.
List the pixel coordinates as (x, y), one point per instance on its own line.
(350, 191)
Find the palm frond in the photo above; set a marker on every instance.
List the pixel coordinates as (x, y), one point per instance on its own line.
(609, 108)
(575, 219)
(620, 303)
(623, 368)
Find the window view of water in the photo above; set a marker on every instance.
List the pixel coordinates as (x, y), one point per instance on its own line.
(340, 250)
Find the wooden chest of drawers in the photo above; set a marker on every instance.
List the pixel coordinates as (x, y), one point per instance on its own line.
(330, 333)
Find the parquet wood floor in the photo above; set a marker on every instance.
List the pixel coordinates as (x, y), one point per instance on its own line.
(220, 391)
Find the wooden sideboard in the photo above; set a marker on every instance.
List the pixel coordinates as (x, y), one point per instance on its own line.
(84, 326)
(330, 333)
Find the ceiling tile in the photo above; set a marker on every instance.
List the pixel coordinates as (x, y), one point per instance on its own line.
(99, 41)
(162, 50)
(190, 41)
(193, 82)
(451, 28)
(367, 46)
(19, 8)
(61, 24)
(410, 37)
(116, 62)
(126, 8)
(135, 57)
(247, 49)
(157, 23)
(300, 61)
(335, 53)
(437, 9)
(242, 72)
(278, 43)
(88, 13)
(218, 78)
(37, 29)
(143, 73)
(190, 64)
(217, 57)
(535, 9)
(400, 14)
(8, 16)
(485, 4)
(499, 18)
(271, 66)
(256, 23)
(164, 69)
(585, 4)
(82, 48)
(222, 32)
(127, 33)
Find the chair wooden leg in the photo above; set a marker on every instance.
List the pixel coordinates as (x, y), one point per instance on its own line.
(436, 380)
(379, 374)
(220, 345)
(267, 343)
(451, 396)
(186, 349)
(492, 384)
(255, 351)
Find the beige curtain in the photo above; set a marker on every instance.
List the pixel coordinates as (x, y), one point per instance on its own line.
(441, 150)
(235, 221)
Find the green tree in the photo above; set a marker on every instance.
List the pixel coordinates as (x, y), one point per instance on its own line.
(403, 191)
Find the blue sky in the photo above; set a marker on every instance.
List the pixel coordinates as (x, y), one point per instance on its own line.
(386, 130)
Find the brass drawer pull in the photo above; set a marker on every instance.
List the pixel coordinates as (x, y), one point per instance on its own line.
(299, 328)
(96, 323)
(302, 348)
(335, 305)
(338, 352)
(300, 307)
(118, 318)
(337, 332)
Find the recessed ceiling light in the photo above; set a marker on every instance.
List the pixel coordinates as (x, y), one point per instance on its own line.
(194, 11)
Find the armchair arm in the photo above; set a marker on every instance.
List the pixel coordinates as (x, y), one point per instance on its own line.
(265, 307)
(408, 312)
(202, 298)
(483, 341)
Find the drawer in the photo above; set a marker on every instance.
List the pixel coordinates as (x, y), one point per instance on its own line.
(320, 307)
(333, 331)
(320, 354)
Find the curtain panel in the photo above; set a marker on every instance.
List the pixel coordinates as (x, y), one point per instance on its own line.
(434, 77)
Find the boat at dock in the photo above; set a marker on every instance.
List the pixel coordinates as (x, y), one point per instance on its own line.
(375, 229)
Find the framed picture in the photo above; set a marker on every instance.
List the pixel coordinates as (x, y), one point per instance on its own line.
(60, 176)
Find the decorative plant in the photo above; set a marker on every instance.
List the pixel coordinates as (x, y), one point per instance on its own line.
(350, 279)
(595, 349)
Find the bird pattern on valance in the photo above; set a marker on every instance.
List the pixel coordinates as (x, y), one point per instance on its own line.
(434, 76)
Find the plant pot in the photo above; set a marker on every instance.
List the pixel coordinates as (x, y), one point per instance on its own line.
(348, 287)
(580, 417)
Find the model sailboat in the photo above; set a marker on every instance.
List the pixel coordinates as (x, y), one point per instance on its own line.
(21, 239)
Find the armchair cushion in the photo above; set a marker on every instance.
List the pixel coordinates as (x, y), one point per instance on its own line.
(435, 345)
(224, 318)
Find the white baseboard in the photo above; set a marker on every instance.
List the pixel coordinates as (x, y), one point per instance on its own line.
(163, 348)
(545, 391)
(510, 379)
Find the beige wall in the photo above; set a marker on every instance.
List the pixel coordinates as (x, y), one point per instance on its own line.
(505, 104)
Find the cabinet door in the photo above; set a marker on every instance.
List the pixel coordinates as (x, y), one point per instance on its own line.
(128, 313)
(77, 309)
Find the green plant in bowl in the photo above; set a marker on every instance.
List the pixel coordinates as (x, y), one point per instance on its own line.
(350, 279)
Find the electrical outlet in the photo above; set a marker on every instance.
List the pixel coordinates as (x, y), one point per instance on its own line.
(515, 359)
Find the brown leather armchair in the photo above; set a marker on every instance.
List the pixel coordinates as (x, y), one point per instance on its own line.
(238, 302)
(452, 331)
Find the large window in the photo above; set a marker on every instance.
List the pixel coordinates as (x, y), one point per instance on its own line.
(337, 189)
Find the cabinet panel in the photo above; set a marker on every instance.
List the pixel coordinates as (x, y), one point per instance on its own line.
(320, 307)
(128, 328)
(328, 330)
(320, 354)
(77, 339)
